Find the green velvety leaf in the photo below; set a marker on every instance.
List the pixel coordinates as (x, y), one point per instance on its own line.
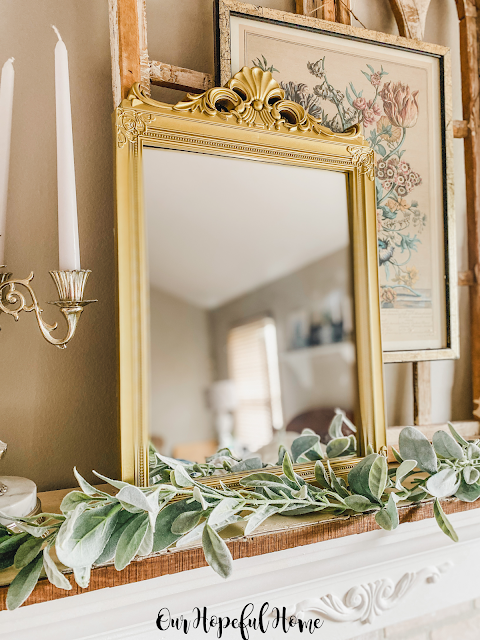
(335, 428)
(471, 475)
(457, 436)
(216, 552)
(181, 477)
(338, 485)
(185, 522)
(134, 500)
(164, 537)
(28, 551)
(473, 452)
(359, 503)
(302, 444)
(445, 446)
(443, 484)
(287, 484)
(261, 479)
(403, 470)
(358, 476)
(281, 455)
(118, 484)
(146, 547)
(250, 464)
(13, 543)
(72, 499)
(85, 486)
(130, 541)
(53, 573)
(6, 560)
(288, 468)
(383, 520)
(418, 495)
(195, 535)
(387, 518)
(24, 583)
(314, 454)
(397, 456)
(321, 476)
(108, 552)
(223, 511)
(392, 511)
(259, 516)
(131, 496)
(415, 446)
(443, 521)
(346, 420)
(378, 477)
(300, 511)
(302, 493)
(81, 540)
(33, 530)
(198, 496)
(337, 447)
(82, 576)
(468, 492)
(352, 448)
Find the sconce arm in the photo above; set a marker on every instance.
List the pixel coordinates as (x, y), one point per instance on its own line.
(70, 286)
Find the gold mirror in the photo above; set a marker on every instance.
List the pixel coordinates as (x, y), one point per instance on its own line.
(247, 277)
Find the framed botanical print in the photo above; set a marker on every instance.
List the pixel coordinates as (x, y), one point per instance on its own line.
(398, 90)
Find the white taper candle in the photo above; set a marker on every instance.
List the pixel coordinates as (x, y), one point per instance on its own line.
(68, 245)
(6, 109)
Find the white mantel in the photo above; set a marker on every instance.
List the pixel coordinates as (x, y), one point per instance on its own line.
(442, 574)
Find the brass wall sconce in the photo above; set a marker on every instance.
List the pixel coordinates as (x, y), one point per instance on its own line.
(70, 286)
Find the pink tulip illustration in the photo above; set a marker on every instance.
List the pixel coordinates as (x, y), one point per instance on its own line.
(400, 104)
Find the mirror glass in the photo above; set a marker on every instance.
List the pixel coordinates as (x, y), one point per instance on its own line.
(251, 307)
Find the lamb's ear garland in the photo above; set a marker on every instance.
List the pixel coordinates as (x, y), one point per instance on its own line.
(96, 527)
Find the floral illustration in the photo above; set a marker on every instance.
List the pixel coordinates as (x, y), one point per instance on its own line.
(388, 113)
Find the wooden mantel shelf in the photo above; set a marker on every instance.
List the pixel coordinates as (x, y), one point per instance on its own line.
(277, 534)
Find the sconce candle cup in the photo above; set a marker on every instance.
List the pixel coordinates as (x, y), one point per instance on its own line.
(70, 287)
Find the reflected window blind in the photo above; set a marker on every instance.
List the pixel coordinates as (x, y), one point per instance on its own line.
(253, 366)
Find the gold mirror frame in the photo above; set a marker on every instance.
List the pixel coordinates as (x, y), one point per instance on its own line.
(247, 118)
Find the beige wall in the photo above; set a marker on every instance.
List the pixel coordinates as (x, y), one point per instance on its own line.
(60, 408)
(308, 380)
(181, 371)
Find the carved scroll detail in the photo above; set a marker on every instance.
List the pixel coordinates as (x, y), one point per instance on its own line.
(255, 99)
(131, 124)
(364, 159)
(366, 602)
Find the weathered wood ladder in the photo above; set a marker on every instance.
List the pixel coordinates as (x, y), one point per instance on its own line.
(131, 63)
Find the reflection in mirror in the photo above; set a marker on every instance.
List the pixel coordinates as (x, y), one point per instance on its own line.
(251, 311)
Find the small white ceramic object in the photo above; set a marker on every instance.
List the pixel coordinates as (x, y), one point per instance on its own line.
(20, 499)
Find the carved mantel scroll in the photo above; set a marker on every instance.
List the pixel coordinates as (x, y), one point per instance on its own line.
(366, 602)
